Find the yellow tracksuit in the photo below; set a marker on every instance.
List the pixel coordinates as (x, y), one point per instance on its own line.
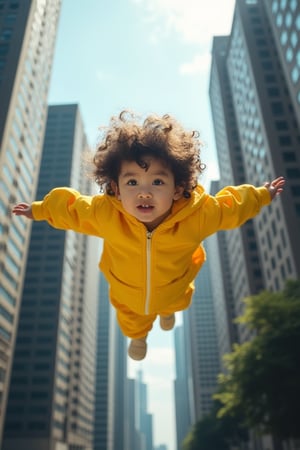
(150, 273)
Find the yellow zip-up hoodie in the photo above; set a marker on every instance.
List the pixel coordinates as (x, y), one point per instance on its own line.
(151, 272)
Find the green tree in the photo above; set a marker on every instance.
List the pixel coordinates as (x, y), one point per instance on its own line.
(213, 433)
(263, 375)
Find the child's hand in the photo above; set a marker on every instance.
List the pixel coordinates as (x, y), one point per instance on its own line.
(23, 209)
(275, 187)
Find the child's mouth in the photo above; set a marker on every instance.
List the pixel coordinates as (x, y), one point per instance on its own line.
(145, 207)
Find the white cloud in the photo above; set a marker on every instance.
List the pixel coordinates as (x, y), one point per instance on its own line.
(200, 64)
(194, 21)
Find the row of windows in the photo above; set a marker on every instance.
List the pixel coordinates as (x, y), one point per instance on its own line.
(20, 409)
(10, 278)
(286, 20)
(4, 294)
(13, 425)
(3, 332)
(283, 4)
(6, 314)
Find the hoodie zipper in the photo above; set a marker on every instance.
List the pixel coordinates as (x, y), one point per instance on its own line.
(148, 271)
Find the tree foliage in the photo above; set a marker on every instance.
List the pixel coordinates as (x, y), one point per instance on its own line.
(215, 433)
(262, 381)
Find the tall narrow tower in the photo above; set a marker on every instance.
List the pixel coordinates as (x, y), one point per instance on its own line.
(202, 357)
(51, 399)
(27, 38)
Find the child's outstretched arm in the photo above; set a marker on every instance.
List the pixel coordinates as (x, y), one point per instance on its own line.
(23, 209)
(66, 209)
(234, 205)
(275, 187)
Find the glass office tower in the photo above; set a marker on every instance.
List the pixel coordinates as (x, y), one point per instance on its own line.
(52, 393)
(27, 38)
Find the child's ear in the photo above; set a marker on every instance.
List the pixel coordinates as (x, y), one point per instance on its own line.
(115, 189)
(178, 192)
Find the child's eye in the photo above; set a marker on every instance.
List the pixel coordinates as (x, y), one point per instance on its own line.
(132, 182)
(158, 182)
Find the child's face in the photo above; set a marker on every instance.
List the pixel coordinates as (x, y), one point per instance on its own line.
(147, 195)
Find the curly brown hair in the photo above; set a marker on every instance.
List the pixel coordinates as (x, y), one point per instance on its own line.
(128, 138)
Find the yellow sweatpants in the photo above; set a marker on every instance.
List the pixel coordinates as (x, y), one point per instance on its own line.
(133, 325)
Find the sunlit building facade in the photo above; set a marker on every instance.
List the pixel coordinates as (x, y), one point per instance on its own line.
(257, 136)
(254, 95)
(284, 18)
(27, 38)
(269, 136)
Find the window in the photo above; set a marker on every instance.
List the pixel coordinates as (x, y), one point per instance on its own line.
(289, 156)
(289, 54)
(288, 20)
(4, 313)
(279, 20)
(39, 394)
(285, 140)
(36, 426)
(277, 108)
(295, 191)
(293, 173)
(295, 75)
(10, 299)
(293, 4)
(267, 65)
(284, 38)
(294, 39)
(281, 125)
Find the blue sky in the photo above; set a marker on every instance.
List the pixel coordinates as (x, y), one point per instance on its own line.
(147, 56)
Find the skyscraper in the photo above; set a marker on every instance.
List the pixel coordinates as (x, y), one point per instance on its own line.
(284, 18)
(255, 100)
(242, 272)
(27, 38)
(51, 399)
(269, 135)
(257, 134)
(139, 427)
(222, 289)
(181, 388)
(112, 402)
(143, 418)
(102, 367)
(117, 385)
(202, 346)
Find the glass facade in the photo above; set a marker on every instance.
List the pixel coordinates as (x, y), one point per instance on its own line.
(27, 38)
(58, 313)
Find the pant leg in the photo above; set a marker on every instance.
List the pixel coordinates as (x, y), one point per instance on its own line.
(133, 325)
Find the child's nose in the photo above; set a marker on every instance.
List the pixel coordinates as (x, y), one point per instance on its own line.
(144, 195)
